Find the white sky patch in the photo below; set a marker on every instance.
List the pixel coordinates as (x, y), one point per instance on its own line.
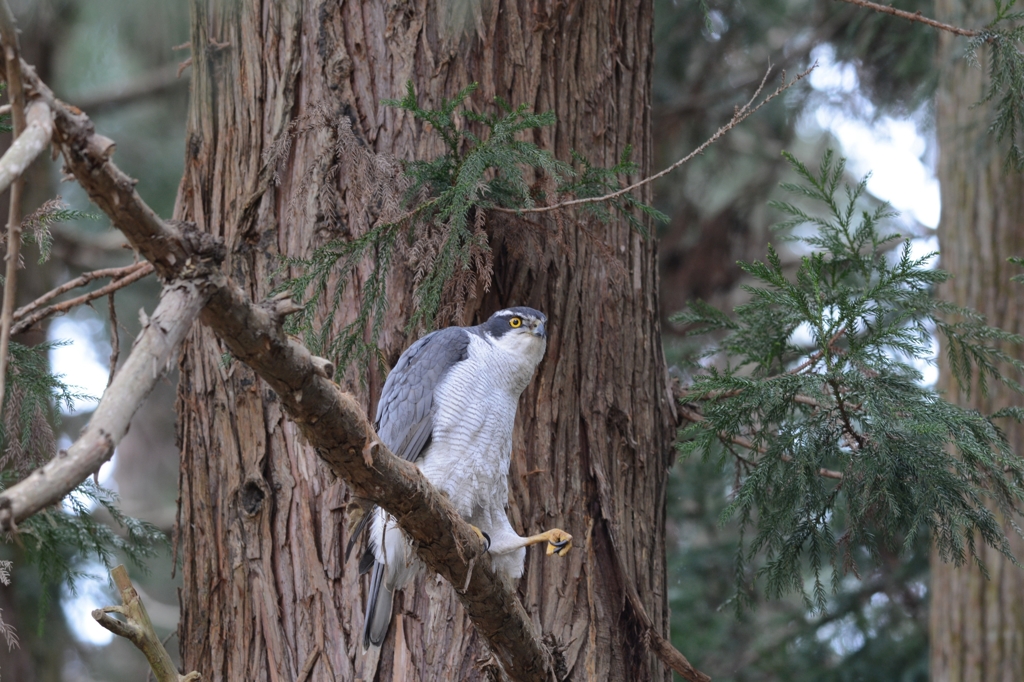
(893, 150)
(93, 592)
(79, 360)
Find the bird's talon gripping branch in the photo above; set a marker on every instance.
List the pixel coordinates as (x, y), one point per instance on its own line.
(484, 537)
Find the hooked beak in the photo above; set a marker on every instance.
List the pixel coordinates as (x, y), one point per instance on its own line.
(540, 330)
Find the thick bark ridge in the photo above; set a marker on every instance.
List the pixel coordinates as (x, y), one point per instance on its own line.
(263, 522)
(977, 625)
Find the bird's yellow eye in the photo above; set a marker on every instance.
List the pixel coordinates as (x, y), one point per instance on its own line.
(515, 322)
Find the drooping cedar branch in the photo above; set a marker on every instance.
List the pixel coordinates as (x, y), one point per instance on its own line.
(137, 628)
(332, 421)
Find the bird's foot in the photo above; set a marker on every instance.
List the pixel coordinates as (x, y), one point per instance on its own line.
(484, 537)
(559, 542)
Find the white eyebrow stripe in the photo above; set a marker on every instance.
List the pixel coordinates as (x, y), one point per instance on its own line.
(506, 313)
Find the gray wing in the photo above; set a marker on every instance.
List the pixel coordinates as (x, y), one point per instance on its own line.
(405, 412)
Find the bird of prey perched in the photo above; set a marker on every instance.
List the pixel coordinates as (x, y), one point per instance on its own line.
(449, 406)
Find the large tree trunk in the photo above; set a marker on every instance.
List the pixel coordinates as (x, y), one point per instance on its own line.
(977, 625)
(266, 590)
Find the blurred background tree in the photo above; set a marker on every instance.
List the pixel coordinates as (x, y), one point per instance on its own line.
(117, 61)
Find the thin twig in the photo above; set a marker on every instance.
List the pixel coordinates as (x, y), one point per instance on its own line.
(80, 281)
(115, 339)
(847, 424)
(914, 16)
(145, 268)
(740, 115)
(650, 636)
(16, 94)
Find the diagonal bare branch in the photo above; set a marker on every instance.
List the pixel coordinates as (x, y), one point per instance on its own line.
(741, 114)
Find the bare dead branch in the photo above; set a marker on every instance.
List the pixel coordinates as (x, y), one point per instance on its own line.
(88, 154)
(28, 145)
(914, 16)
(155, 347)
(332, 421)
(137, 628)
(80, 281)
(131, 275)
(740, 115)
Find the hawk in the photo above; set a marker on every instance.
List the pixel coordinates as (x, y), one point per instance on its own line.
(449, 406)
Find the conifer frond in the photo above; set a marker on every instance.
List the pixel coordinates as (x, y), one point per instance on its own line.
(58, 540)
(844, 448)
(1004, 36)
(31, 407)
(37, 223)
(1017, 261)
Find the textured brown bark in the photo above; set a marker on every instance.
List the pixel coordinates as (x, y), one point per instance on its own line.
(266, 592)
(977, 625)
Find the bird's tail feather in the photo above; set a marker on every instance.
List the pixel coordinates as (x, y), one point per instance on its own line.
(378, 609)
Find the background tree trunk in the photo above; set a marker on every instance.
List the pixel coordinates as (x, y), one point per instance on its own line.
(266, 593)
(977, 625)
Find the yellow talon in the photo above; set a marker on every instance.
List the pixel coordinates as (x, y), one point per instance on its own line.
(559, 542)
(484, 537)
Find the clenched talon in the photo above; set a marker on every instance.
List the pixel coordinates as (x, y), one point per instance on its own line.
(559, 542)
(484, 537)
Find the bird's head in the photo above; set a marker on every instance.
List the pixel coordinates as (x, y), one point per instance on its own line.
(520, 330)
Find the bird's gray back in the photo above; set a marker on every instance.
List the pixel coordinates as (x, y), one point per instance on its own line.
(406, 409)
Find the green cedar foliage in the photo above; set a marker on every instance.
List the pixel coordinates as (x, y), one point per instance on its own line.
(1005, 37)
(447, 199)
(56, 540)
(838, 447)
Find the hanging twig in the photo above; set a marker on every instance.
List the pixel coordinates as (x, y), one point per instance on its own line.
(740, 115)
(137, 628)
(692, 415)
